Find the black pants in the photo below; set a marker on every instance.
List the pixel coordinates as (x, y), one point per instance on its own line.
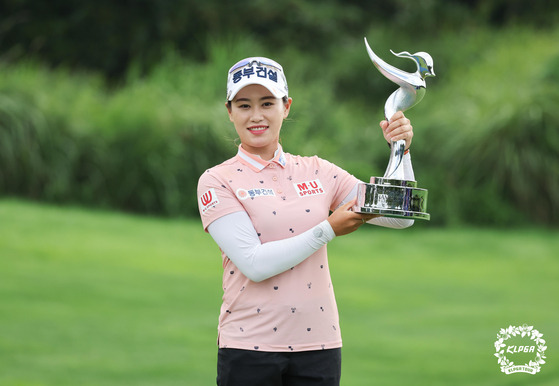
(257, 368)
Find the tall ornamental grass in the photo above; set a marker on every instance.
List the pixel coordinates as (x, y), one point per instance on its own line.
(486, 143)
(136, 148)
(491, 153)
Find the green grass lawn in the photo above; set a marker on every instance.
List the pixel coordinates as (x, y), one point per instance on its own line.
(97, 298)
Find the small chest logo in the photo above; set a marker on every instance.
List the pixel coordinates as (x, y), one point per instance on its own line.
(243, 194)
(309, 188)
(208, 200)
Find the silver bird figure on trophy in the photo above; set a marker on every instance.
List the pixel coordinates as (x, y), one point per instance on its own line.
(410, 93)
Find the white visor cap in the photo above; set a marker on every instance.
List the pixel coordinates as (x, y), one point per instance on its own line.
(257, 70)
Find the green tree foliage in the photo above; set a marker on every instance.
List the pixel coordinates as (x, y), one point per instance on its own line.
(66, 138)
(492, 140)
(108, 36)
(136, 133)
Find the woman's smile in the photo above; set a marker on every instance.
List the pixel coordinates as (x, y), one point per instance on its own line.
(258, 130)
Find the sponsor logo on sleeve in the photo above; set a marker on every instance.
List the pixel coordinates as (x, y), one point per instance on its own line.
(308, 188)
(208, 200)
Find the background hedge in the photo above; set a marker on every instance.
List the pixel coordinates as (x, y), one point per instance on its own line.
(128, 118)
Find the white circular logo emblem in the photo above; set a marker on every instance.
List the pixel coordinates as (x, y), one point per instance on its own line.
(523, 343)
(242, 194)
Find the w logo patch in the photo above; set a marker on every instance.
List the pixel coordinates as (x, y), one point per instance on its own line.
(208, 200)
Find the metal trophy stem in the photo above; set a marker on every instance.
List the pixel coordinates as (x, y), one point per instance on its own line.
(395, 168)
(393, 195)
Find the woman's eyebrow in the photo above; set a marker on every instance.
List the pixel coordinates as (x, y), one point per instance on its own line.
(248, 99)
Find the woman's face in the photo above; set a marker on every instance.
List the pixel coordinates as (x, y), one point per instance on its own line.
(258, 116)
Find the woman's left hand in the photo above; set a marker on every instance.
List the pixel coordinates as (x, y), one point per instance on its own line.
(399, 127)
(344, 220)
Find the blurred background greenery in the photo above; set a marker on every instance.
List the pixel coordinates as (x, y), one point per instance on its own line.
(120, 104)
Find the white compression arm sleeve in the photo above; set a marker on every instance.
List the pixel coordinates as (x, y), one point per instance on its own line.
(235, 235)
(389, 222)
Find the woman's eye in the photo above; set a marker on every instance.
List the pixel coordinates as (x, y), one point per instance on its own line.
(267, 104)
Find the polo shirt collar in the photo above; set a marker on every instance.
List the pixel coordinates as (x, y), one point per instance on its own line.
(256, 163)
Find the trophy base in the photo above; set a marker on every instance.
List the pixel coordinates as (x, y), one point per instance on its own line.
(392, 198)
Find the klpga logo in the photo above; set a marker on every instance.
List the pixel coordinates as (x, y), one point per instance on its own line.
(525, 344)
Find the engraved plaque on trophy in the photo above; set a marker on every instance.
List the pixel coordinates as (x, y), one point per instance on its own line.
(392, 195)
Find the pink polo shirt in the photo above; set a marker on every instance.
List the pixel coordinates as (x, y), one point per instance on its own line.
(295, 310)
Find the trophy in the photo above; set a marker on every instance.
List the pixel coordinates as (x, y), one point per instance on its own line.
(392, 195)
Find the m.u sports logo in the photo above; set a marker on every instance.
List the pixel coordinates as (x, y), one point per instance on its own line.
(309, 188)
(208, 200)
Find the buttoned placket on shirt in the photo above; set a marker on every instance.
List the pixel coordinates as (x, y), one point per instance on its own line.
(257, 164)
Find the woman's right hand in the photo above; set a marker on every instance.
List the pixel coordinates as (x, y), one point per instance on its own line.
(344, 220)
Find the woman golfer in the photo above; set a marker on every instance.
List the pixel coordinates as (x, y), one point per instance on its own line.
(268, 211)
